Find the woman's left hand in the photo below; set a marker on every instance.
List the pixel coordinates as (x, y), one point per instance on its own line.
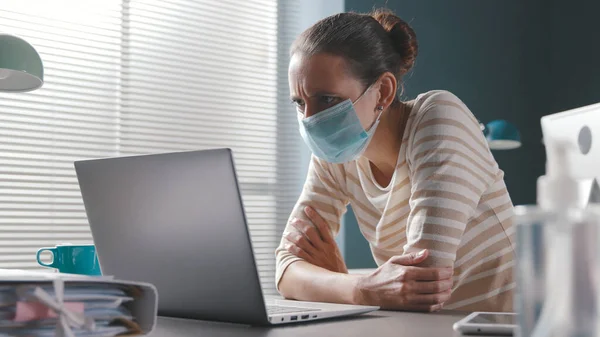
(314, 243)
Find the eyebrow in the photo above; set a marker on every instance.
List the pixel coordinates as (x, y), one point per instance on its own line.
(318, 93)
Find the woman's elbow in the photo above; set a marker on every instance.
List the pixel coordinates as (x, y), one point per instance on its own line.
(286, 285)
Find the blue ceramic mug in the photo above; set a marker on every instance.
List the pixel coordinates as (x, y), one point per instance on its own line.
(72, 259)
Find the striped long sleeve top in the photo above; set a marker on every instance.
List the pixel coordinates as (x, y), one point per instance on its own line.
(447, 195)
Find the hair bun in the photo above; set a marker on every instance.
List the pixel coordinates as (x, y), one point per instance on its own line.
(403, 37)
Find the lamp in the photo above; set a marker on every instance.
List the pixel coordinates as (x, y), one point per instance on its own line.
(501, 135)
(21, 68)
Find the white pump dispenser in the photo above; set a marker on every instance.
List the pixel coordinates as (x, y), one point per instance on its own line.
(558, 193)
(558, 190)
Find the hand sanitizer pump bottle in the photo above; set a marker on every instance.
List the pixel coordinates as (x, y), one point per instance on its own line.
(558, 255)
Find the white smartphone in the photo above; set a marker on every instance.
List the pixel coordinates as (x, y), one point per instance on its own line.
(487, 323)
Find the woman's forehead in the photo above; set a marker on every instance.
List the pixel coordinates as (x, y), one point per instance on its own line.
(320, 72)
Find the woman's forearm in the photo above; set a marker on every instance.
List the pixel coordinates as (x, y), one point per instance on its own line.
(306, 282)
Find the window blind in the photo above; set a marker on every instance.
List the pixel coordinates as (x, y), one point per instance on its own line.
(74, 116)
(129, 77)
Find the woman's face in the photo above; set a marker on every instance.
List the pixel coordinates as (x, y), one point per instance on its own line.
(321, 81)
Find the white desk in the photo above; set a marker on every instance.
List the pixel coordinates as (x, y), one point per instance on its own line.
(376, 324)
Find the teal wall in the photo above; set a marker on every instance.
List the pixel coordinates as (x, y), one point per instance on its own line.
(575, 53)
(506, 59)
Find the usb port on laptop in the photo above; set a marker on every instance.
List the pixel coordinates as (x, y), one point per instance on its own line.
(305, 316)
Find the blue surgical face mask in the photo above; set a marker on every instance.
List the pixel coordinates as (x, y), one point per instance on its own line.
(335, 134)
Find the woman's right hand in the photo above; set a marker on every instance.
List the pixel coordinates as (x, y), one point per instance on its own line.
(398, 285)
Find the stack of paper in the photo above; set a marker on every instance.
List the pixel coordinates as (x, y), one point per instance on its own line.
(43, 304)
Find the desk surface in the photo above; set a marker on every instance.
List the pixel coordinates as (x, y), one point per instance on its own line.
(379, 323)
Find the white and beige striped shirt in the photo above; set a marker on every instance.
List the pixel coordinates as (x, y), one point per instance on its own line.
(447, 194)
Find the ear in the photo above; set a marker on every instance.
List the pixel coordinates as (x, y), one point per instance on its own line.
(387, 90)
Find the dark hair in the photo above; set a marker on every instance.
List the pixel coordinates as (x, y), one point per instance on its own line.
(372, 44)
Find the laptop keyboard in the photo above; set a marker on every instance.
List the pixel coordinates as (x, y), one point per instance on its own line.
(276, 310)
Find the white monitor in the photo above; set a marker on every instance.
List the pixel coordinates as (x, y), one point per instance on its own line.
(579, 127)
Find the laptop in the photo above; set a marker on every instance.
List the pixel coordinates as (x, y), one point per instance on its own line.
(176, 220)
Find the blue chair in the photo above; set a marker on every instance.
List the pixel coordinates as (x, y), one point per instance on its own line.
(501, 135)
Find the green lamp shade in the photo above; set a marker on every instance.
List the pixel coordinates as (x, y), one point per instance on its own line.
(501, 135)
(21, 67)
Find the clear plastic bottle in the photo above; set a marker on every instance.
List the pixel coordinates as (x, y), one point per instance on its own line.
(558, 255)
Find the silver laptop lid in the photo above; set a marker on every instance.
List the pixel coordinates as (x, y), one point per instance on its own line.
(176, 220)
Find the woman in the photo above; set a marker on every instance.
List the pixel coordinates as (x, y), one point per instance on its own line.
(427, 193)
